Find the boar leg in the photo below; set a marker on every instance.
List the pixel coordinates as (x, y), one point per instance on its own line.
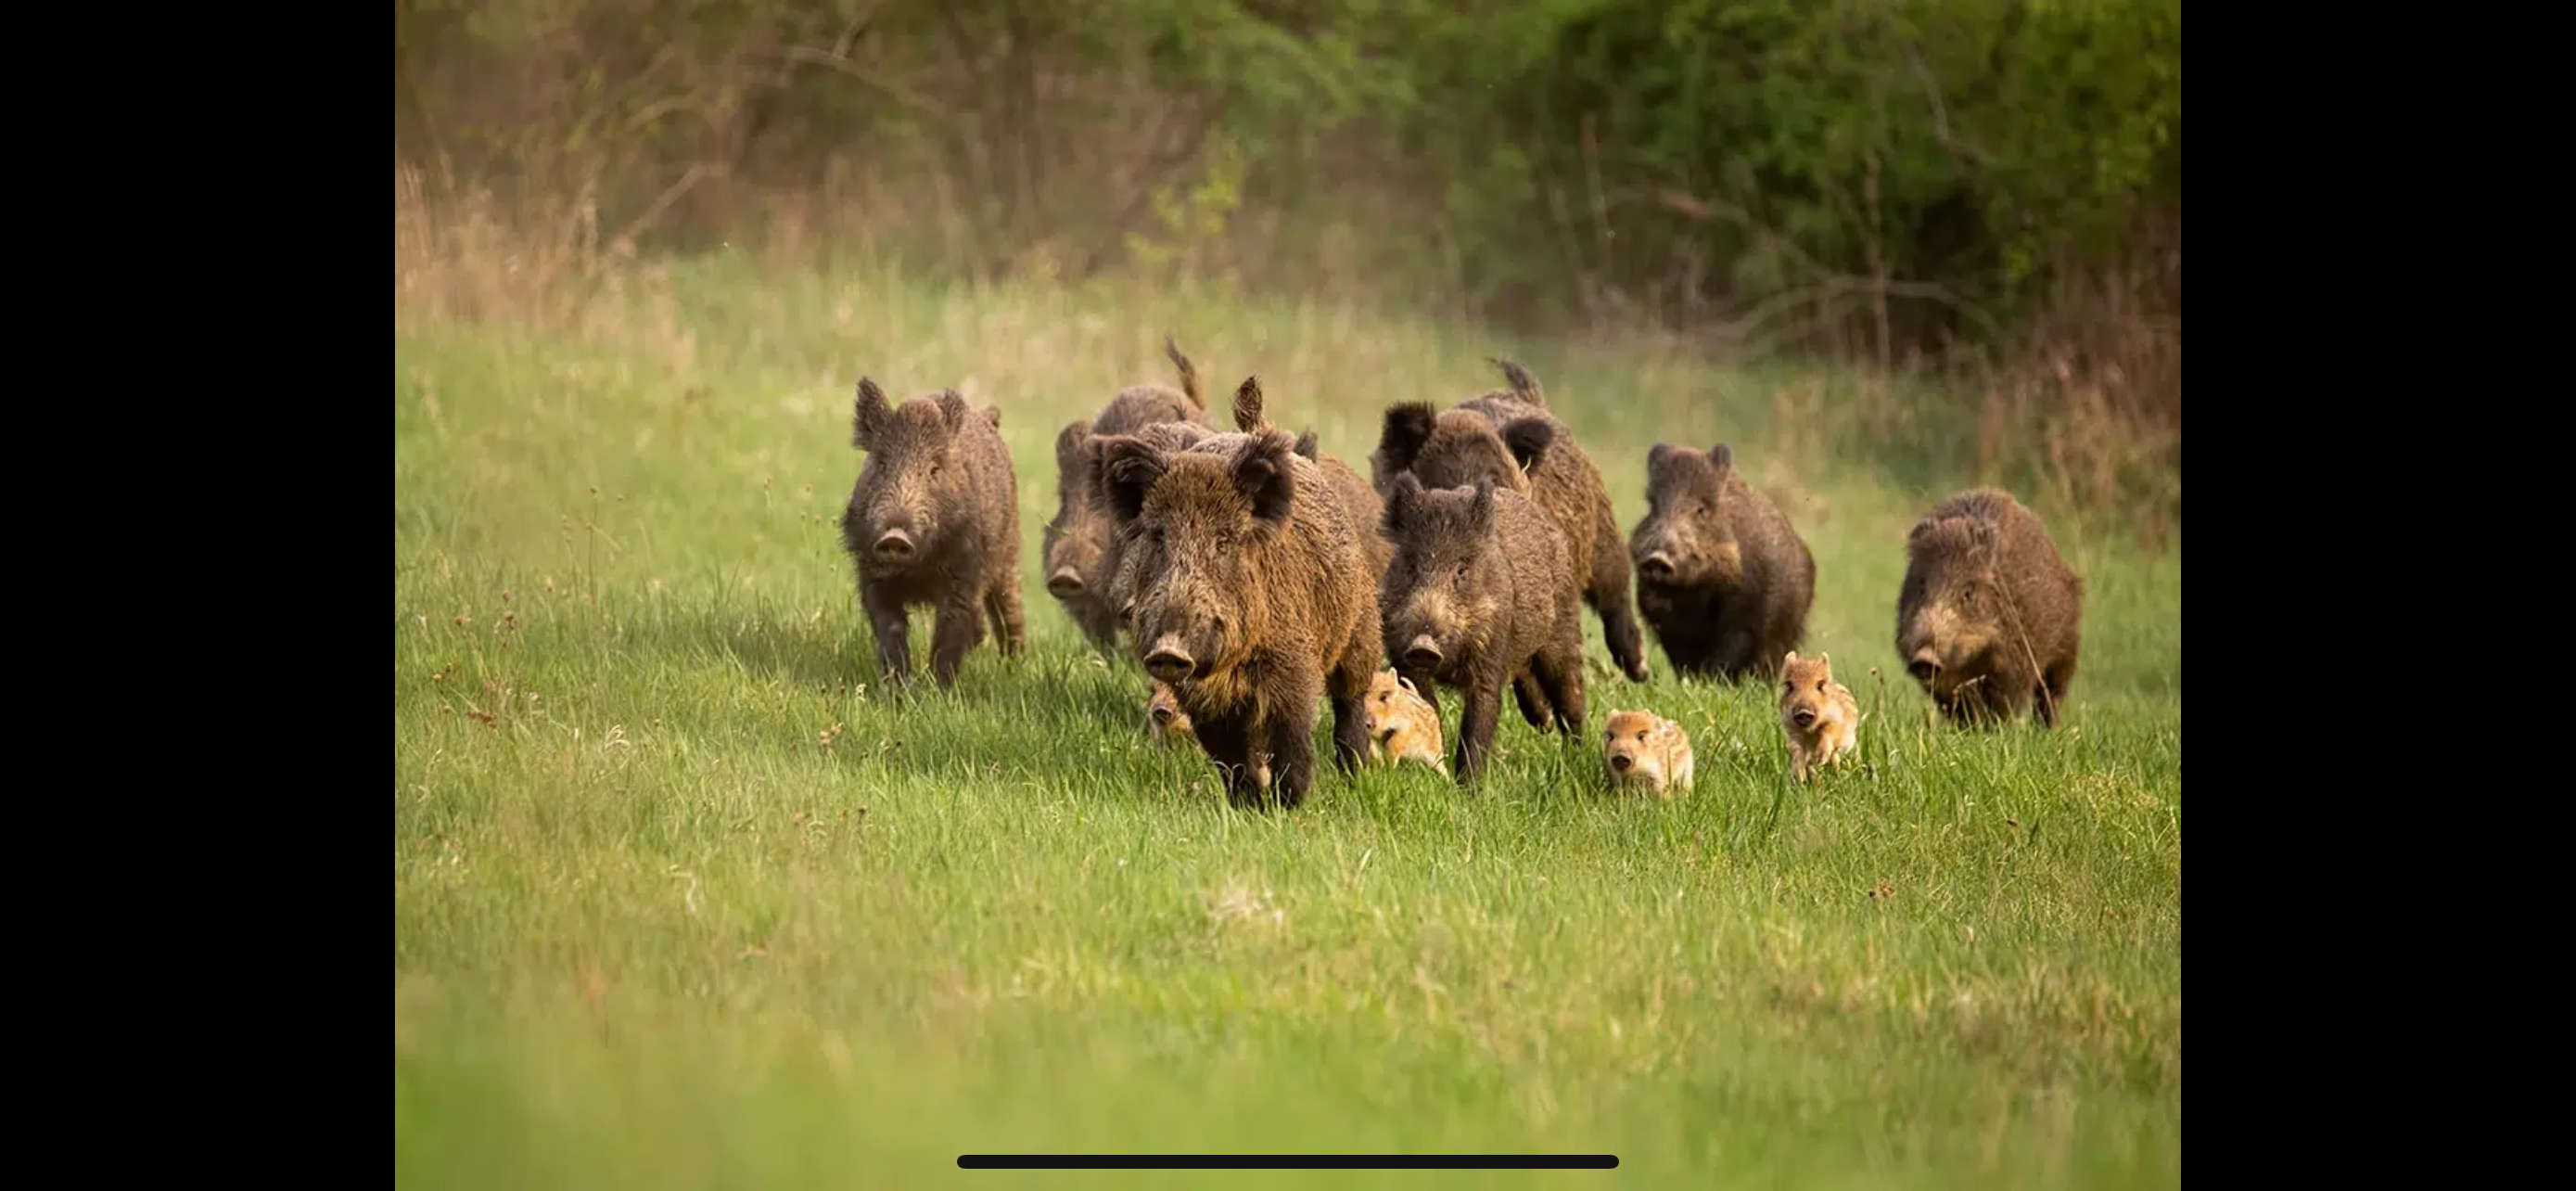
(1228, 745)
(1608, 595)
(1484, 706)
(1010, 625)
(1292, 747)
(1533, 700)
(958, 627)
(1347, 685)
(2052, 691)
(1559, 668)
(894, 637)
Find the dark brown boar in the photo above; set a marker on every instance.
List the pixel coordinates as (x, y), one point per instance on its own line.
(1251, 599)
(1075, 545)
(1990, 617)
(1359, 499)
(1723, 579)
(934, 519)
(1481, 594)
(1508, 437)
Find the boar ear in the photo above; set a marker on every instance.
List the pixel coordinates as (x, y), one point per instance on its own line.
(868, 414)
(1528, 439)
(1721, 456)
(993, 416)
(952, 409)
(1399, 503)
(1659, 462)
(1922, 530)
(1480, 507)
(1247, 406)
(1068, 444)
(1524, 386)
(1128, 468)
(1266, 476)
(1189, 375)
(1309, 446)
(1408, 426)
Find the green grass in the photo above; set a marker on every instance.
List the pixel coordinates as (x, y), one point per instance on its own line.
(651, 930)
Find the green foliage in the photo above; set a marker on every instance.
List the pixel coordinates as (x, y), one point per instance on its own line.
(1691, 155)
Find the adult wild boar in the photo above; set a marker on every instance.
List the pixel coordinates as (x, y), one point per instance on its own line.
(1990, 616)
(1723, 579)
(1252, 600)
(1074, 547)
(1481, 594)
(1359, 499)
(1509, 438)
(934, 519)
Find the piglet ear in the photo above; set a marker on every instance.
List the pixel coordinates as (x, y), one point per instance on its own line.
(1128, 469)
(1265, 473)
(868, 415)
(1408, 426)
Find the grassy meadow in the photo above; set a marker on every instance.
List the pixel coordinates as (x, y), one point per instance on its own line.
(680, 899)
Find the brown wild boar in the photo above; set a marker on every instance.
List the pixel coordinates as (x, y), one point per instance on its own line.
(1990, 617)
(1722, 578)
(1074, 548)
(1402, 725)
(1818, 715)
(1644, 751)
(1251, 599)
(934, 519)
(1508, 437)
(1358, 498)
(1481, 592)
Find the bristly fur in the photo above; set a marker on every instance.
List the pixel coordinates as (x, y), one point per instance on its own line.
(1508, 438)
(1190, 387)
(1990, 618)
(943, 481)
(1251, 598)
(1481, 578)
(1723, 579)
(1077, 553)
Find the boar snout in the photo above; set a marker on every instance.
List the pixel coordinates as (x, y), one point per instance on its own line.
(894, 545)
(1621, 762)
(1064, 584)
(1161, 714)
(1924, 664)
(1806, 717)
(1170, 660)
(1657, 565)
(1423, 653)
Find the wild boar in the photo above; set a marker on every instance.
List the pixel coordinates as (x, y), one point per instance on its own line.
(1990, 617)
(1508, 438)
(1251, 600)
(1075, 544)
(1722, 578)
(1480, 592)
(934, 519)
